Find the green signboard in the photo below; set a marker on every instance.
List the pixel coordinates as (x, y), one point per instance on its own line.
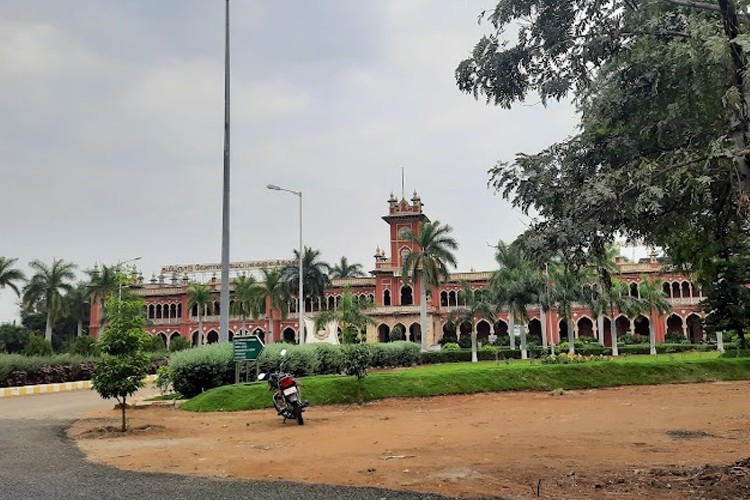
(247, 348)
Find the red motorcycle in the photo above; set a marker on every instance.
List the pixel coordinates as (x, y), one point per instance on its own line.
(287, 398)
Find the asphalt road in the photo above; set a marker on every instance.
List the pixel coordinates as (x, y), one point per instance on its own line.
(38, 461)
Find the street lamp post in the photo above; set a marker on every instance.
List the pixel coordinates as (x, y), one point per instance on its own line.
(119, 280)
(300, 310)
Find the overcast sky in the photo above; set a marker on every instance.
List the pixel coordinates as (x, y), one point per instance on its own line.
(112, 121)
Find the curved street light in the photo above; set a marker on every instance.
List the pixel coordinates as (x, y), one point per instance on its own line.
(300, 311)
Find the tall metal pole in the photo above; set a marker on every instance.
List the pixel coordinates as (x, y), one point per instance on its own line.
(300, 310)
(224, 292)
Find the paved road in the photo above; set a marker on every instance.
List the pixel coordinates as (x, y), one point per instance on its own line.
(38, 461)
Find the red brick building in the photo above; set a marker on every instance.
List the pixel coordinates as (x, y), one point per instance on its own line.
(397, 301)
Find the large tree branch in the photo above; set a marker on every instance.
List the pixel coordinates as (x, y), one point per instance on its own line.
(701, 6)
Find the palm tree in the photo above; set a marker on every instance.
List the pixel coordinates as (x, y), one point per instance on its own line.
(314, 274)
(200, 295)
(46, 286)
(245, 298)
(603, 264)
(78, 305)
(652, 298)
(475, 306)
(567, 289)
(345, 270)
(518, 285)
(349, 315)
(10, 276)
(429, 263)
(102, 284)
(272, 295)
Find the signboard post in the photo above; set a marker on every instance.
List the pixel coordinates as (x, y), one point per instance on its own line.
(246, 349)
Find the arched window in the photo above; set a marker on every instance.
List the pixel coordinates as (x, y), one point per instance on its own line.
(387, 298)
(407, 297)
(444, 299)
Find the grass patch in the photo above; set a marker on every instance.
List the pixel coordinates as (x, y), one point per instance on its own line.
(466, 378)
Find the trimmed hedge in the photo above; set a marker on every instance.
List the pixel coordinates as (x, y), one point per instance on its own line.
(17, 370)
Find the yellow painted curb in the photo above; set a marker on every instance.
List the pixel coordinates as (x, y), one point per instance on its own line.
(48, 388)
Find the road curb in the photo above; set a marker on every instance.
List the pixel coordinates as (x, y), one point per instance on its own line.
(28, 390)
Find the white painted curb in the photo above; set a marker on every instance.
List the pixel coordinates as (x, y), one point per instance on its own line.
(26, 390)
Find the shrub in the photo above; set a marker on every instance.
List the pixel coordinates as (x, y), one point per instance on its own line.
(84, 345)
(179, 344)
(16, 369)
(675, 338)
(154, 344)
(13, 338)
(489, 348)
(357, 360)
(585, 340)
(450, 347)
(164, 380)
(465, 341)
(330, 359)
(629, 339)
(567, 358)
(38, 346)
(400, 353)
(300, 361)
(197, 370)
(397, 334)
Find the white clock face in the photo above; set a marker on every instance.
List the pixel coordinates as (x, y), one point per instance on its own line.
(403, 233)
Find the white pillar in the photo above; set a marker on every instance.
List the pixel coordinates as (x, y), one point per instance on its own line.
(600, 328)
(543, 317)
(512, 329)
(720, 341)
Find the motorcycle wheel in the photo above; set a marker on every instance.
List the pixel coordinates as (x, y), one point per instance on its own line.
(298, 414)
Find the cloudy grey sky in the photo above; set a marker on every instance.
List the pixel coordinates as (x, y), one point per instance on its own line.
(111, 129)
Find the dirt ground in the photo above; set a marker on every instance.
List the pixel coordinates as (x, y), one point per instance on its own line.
(671, 441)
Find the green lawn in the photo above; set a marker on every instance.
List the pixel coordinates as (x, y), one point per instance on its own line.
(464, 378)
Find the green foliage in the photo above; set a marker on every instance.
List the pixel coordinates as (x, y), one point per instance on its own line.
(397, 334)
(675, 338)
(16, 369)
(37, 346)
(84, 346)
(120, 371)
(357, 359)
(450, 347)
(350, 315)
(13, 338)
(629, 339)
(164, 379)
(300, 361)
(179, 344)
(393, 354)
(10, 277)
(467, 378)
(566, 358)
(330, 359)
(197, 370)
(154, 343)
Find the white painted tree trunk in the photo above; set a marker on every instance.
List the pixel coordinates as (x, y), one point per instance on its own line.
(720, 341)
(600, 328)
(512, 328)
(613, 336)
(79, 329)
(544, 328)
(571, 338)
(423, 313)
(474, 357)
(651, 335)
(524, 352)
(48, 327)
(199, 342)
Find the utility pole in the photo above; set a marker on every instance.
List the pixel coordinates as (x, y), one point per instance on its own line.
(224, 291)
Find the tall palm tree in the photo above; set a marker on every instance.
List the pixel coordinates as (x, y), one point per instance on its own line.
(272, 295)
(428, 263)
(46, 286)
(78, 305)
(245, 297)
(345, 270)
(652, 298)
(476, 306)
(102, 284)
(10, 276)
(314, 274)
(349, 315)
(517, 284)
(200, 295)
(604, 265)
(566, 290)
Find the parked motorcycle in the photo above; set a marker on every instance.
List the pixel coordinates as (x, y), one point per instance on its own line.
(287, 398)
